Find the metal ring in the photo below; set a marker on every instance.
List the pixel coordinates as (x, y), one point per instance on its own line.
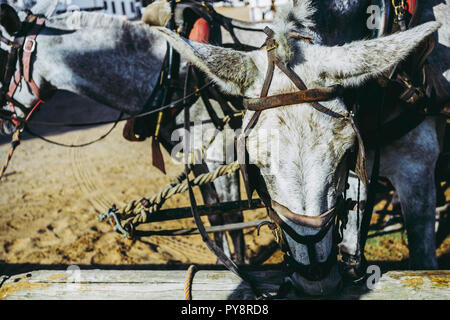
(33, 45)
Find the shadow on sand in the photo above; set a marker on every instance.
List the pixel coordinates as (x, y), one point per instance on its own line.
(66, 107)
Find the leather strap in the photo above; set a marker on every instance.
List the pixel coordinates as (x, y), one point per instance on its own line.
(28, 48)
(303, 220)
(285, 99)
(220, 254)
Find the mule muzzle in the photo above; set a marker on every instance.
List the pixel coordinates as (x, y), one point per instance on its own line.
(326, 286)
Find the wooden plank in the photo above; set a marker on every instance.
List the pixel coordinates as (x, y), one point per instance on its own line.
(207, 285)
(412, 285)
(124, 284)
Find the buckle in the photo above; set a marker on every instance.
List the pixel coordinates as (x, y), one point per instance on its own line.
(26, 46)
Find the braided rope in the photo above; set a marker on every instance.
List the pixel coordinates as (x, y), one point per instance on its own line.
(137, 211)
(141, 209)
(14, 144)
(188, 282)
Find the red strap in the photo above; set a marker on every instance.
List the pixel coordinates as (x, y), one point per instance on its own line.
(33, 109)
(29, 47)
(13, 109)
(200, 31)
(411, 6)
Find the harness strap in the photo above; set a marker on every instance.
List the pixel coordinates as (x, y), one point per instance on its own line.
(242, 155)
(306, 240)
(28, 47)
(303, 220)
(316, 270)
(198, 79)
(308, 95)
(199, 223)
(15, 141)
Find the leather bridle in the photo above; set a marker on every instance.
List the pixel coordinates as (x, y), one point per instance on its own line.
(21, 50)
(253, 180)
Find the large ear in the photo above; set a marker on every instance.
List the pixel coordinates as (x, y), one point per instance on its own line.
(9, 19)
(233, 71)
(354, 63)
(45, 7)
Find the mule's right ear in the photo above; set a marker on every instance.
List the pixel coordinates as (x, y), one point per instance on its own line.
(9, 19)
(232, 70)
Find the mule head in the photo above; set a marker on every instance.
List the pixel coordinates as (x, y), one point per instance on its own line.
(305, 175)
(300, 151)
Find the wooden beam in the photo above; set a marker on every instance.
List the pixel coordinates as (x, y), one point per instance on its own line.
(207, 284)
(204, 210)
(193, 231)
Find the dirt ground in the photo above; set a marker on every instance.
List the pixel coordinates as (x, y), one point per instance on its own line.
(51, 196)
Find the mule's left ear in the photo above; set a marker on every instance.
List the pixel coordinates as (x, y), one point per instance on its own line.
(45, 7)
(9, 19)
(232, 70)
(356, 62)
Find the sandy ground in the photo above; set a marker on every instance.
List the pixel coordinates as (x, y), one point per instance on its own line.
(51, 197)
